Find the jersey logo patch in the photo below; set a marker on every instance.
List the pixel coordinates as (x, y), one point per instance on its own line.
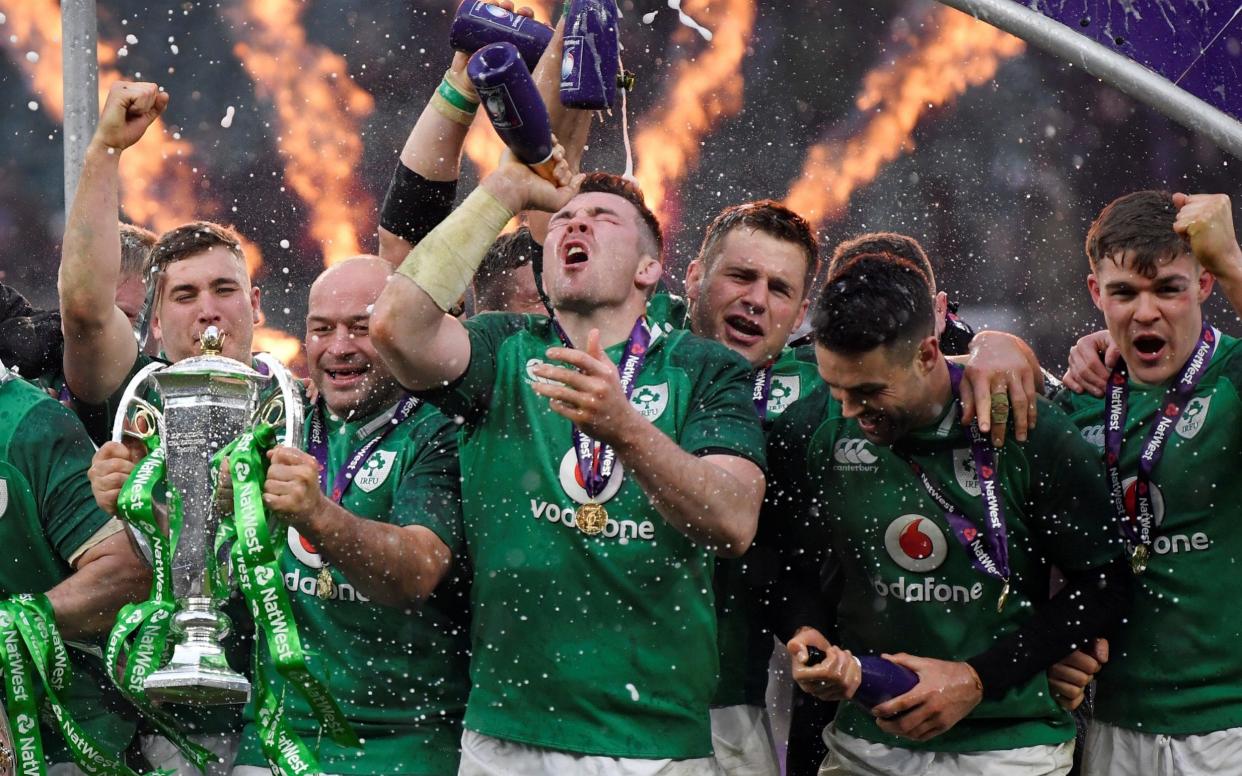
(375, 471)
(1094, 435)
(651, 400)
(964, 469)
(571, 480)
(1193, 417)
(785, 391)
(4, 496)
(915, 543)
(303, 550)
(853, 455)
(531, 377)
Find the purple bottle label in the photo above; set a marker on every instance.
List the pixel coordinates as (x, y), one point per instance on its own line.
(499, 106)
(571, 72)
(495, 16)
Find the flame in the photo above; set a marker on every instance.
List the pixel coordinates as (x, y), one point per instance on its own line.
(703, 91)
(158, 183)
(319, 115)
(284, 346)
(957, 52)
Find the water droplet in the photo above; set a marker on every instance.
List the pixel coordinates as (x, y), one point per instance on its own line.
(227, 121)
(32, 56)
(131, 39)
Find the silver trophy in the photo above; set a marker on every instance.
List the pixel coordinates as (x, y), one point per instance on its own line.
(205, 402)
(8, 753)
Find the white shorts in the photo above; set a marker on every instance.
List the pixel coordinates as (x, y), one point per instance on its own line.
(850, 756)
(1117, 751)
(161, 753)
(742, 740)
(486, 756)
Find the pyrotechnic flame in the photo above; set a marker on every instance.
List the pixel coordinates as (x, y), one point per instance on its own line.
(284, 346)
(319, 115)
(158, 184)
(956, 52)
(704, 90)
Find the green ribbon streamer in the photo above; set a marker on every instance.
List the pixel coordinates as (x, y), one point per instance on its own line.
(150, 620)
(32, 645)
(256, 560)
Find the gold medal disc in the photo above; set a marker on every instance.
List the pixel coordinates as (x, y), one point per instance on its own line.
(1138, 559)
(325, 587)
(1004, 596)
(591, 519)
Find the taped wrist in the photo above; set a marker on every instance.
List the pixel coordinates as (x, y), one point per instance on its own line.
(445, 261)
(414, 205)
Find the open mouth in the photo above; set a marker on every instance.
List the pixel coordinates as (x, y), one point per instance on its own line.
(574, 253)
(347, 375)
(743, 326)
(1149, 346)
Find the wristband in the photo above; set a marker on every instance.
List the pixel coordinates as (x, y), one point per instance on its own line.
(449, 111)
(462, 98)
(444, 263)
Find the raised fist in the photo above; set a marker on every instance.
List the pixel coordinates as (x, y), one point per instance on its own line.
(127, 112)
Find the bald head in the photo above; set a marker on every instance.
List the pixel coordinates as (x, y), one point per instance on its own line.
(350, 375)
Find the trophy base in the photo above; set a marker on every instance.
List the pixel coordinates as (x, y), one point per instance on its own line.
(198, 673)
(198, 686)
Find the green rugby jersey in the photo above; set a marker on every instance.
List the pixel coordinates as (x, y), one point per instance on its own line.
(399, 674)
(600, 645)
(1175, 668)
(47, 512)
(907, 584)
(745, 645)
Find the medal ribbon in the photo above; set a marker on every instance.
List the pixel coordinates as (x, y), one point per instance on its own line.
(762, 389)
(318, 445)
(151, 620)
(31, 641)
(988, 549)
(1138, 525)
(256, 559)
(595, 460)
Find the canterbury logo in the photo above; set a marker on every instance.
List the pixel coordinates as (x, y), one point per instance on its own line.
(853, 451)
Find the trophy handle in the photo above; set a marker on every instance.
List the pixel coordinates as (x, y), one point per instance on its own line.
(8, 752)
(130, 396)
(289, 396)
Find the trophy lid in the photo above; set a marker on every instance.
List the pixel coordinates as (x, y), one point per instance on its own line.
(211, 362)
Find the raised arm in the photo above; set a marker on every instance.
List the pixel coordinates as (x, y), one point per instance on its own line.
(1207, 221)
(99, 343)
(424, 346)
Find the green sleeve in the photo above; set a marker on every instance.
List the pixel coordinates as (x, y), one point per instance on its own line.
(722, 418)
(51, 448)
(429, 493)
(1069, 495)
(470, 395)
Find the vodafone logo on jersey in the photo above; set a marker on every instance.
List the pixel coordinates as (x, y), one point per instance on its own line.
(571, 480)
(915, 543)
(303, 550)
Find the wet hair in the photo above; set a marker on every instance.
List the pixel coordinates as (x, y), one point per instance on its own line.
(189, 240)
(608, 183)
(771, 218)
(1141, 224)
(875, 300)
(136, 245)
(493, 283)
(892, 243)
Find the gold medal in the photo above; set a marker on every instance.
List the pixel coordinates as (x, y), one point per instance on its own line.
(1004, 596)
(325, 587)
(591, 519)
(1138, 559)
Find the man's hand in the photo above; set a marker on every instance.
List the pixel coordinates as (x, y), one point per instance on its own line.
(1069, 678)
(519, 188)
(292, 486)
(110, 468)
(835, 678)
(1207, 221)
(946, 692)
(130, 108)
(1091, 363)
(1001, 373)
(590, 397)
